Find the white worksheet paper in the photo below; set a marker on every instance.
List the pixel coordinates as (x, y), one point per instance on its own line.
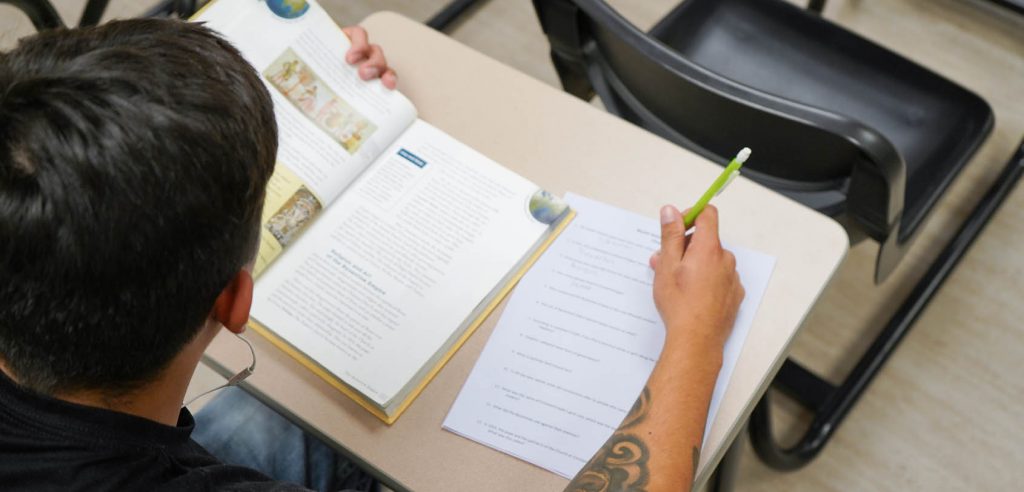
(578, 339)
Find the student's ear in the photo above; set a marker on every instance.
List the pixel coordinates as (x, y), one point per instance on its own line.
(232, 306)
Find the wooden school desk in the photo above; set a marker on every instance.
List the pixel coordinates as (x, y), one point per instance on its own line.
(562, 144)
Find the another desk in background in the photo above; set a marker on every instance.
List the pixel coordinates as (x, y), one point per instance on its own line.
(563, 144)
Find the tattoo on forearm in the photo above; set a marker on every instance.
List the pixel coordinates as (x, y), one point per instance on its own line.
(639, 410)
(621, 464)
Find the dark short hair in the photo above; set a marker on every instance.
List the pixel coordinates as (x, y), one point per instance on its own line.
(133, 162)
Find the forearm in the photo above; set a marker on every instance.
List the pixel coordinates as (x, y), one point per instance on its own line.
(657, 446)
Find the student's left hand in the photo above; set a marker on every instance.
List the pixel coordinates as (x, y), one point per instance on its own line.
(368, 57)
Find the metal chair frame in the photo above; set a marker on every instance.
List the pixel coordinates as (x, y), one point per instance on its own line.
(831, 403)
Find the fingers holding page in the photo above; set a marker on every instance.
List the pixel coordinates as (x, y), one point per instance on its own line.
(389, 79)
(369, 58)
(360, 49)
(375, 64)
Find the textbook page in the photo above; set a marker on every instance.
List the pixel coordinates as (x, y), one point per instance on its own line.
(393, 270)
(578, 340)
(331, 124)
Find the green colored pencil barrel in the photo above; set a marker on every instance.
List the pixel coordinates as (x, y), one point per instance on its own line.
(723, 179)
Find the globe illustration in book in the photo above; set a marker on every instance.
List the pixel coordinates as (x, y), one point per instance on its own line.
(288, 9)
(547, 208)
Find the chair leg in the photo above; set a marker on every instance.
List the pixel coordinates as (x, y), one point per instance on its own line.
(560, 21)
(93, 13)
(181, 9)
(572, 73)
(40, 12)
(450, 13)
(1015, 5)
(816, 6)
(185, 8)
(830, 404)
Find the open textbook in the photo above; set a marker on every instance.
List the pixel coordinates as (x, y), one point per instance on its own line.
(385, 241)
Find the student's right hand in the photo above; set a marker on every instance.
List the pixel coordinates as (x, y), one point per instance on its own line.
(696, 287)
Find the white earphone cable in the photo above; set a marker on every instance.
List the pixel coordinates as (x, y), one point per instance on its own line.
(237, 378)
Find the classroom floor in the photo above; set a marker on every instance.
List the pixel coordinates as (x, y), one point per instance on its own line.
(945, 413)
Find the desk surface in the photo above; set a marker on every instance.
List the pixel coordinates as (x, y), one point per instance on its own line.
(562, 144)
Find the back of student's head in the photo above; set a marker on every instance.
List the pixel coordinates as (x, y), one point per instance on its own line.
(133, 162)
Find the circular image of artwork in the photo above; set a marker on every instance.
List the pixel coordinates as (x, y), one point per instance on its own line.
(288, 9)
(547, 208)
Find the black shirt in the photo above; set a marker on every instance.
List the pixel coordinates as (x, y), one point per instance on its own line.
(49, 444)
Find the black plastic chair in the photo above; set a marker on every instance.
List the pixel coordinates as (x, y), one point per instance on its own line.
(836, 122)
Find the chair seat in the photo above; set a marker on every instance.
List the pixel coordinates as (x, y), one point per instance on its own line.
(782, 50)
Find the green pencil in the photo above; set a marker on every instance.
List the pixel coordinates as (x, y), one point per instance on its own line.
(723, 180)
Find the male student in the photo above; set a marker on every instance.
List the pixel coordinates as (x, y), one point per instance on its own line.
(133, 162)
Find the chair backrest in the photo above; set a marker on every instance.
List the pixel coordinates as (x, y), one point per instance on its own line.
(663, 88)
(825, 160)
